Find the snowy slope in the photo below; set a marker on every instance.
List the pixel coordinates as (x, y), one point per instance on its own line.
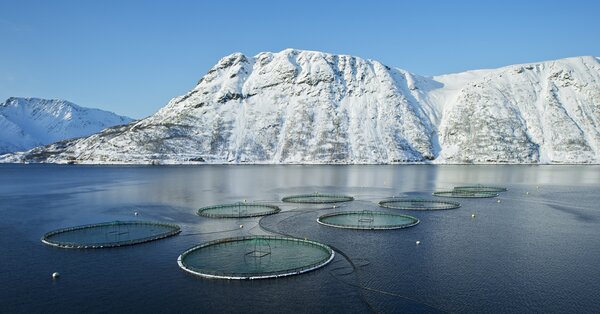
(546, 112)
(311, 107)
(31, 122)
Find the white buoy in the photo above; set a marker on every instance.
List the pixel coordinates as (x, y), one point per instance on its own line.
(241, 226)
(526, 193)
(472, 215)
(418, 242)
(55, 275)
(498, 201)
(537, 187)
(135, 213)
(333, 206)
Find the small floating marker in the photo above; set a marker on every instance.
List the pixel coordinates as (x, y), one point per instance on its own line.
(333, 206)
(55, 275)
(498, 201)
(244, 201)
(472, 215)
(135, 213)
(418, 242)
(241, 226)
(526, 193)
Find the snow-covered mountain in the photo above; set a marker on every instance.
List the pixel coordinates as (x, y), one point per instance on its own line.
(31, 122)
(311, 107)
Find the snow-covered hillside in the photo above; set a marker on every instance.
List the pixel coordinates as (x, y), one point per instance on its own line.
(31, 122)
(311, 107)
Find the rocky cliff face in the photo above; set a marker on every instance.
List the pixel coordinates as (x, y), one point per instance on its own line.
(548, 112)
(312, 107)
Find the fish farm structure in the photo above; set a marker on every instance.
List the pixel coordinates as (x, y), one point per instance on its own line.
(367, 220)
(465, 194)
(480, 188)
(317, 198)
(417, 204)
(109, 234)
(255, 257)
(238, 210)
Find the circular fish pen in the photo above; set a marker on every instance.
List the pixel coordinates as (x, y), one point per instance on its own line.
(317, 198)
(465, 194)
(367, 220)
(255, 257)
(418, 204)
(109, 234)
(480, 188)
(238, 210)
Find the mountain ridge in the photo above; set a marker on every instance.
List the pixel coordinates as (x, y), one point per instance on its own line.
(299, 106)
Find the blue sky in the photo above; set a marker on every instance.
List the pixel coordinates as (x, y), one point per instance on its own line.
(131, 57)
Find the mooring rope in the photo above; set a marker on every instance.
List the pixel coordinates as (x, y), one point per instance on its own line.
(209, 232)
(355, 268)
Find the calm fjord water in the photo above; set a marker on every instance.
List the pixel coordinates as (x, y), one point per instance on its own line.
(535, 251)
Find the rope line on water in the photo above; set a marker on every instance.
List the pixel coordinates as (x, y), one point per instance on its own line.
(210, 232)
(260, 224)
(354, 267)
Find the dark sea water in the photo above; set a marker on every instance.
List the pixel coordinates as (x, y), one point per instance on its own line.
(538, 250)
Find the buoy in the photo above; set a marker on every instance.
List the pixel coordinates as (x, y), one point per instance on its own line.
(498, 201)
(333, 206)
(537, 187)
(55, 275)
(418, 242)
(472, 215)
(135, 213)
(526, 193)
(241, 226)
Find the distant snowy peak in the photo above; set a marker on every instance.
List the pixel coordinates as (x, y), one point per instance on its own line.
(299, 106)
(30, 122)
